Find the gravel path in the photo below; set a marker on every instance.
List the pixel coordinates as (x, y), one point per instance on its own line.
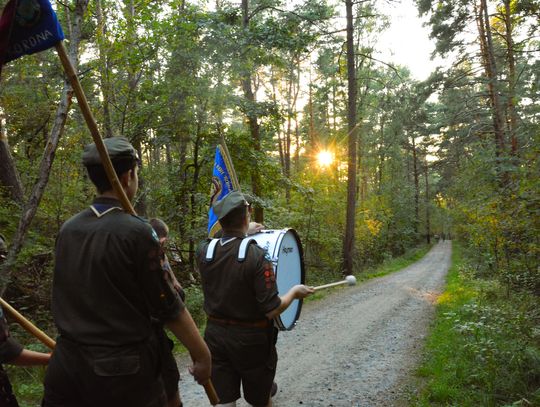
(356, 346)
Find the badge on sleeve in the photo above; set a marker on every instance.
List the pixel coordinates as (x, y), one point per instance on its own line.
(269, 276)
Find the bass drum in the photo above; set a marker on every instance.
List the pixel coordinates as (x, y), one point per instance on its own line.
(286, 253)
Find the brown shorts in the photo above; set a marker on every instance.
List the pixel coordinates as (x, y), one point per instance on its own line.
(242, 356)
(83, 376)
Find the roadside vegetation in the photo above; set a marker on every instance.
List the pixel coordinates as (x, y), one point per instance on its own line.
(484, 346)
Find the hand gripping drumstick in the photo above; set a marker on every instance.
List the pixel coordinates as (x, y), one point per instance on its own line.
(349, 280)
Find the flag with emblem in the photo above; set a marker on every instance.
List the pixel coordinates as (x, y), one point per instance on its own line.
(27, 27)
(223, 181)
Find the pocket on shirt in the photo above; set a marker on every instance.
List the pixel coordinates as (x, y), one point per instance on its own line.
(117, 366)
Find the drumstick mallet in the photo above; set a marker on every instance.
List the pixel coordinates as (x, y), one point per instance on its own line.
(349, 280)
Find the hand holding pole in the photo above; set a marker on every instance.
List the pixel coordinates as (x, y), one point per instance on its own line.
(28, 326)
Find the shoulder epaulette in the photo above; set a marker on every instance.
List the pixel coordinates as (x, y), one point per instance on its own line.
(211, 249)
(242, 251)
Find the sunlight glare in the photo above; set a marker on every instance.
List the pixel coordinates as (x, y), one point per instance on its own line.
(325, 158)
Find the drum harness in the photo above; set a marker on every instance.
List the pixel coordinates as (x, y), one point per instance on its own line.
(242, 252)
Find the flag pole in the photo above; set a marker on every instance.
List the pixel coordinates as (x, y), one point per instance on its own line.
(28, 326)
(106, 160)
(235, 182)
(92, 126)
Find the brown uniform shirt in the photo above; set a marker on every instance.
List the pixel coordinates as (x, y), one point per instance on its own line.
(244, 291)
(108, 281)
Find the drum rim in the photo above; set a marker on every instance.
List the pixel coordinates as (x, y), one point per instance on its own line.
(278, 320)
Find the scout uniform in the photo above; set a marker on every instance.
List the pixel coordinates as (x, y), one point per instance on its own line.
(9, 350)
(237, 295)
(108, 285)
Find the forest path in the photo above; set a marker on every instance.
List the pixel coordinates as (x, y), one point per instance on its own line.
(356, 346)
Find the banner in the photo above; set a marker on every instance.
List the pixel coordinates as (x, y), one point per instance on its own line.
(27, 27)
(223, 182)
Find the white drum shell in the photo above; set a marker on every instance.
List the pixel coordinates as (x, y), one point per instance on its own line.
(285, 250)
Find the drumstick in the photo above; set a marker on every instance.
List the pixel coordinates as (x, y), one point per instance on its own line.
(349, 280)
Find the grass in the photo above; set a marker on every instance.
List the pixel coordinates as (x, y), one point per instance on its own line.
(483, 346)
(27, 384)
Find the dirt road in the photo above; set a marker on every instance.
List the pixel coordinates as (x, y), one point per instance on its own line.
(356, 346)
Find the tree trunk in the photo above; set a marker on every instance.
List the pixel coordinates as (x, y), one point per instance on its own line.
(488, 57)
(47, 160)
(312, 136)
(104, 69)
(512, 123)
(253, 123)
(381, 156)
(193, 191)
(428, 220)
(9, 176)
(416, 177)
(292, 97)
(348, 242)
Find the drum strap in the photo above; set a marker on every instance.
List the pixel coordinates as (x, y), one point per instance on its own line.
(211, 249)
(242, 251)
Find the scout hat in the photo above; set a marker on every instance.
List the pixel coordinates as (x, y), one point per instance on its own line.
(118, 148)
(225, 205)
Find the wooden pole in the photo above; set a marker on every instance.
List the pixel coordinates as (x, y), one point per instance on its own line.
(106, 162)
(27, 325)
(235, 182)
(211, 393)
(92, 126)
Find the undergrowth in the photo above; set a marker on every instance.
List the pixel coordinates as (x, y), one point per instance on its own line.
(483, 349)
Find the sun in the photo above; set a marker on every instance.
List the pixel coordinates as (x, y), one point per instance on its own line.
(325, 158)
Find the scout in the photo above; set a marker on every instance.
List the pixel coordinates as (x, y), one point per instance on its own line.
(11, 352)
(241, 299)
(169, 368)
(108, 284)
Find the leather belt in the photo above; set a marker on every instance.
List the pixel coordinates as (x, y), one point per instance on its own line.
(263, 323)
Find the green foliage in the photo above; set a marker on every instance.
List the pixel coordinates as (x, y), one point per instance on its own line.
(484, 348)
(27, 384)
(194, 302)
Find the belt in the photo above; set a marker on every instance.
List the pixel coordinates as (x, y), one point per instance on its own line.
(262, 323)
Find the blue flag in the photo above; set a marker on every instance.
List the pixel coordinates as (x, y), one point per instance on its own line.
(27, 27)
(223, 182)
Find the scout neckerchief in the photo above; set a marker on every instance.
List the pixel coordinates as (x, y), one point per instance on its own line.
(101, 209)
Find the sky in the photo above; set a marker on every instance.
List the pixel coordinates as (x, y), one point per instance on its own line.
(406, 42)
